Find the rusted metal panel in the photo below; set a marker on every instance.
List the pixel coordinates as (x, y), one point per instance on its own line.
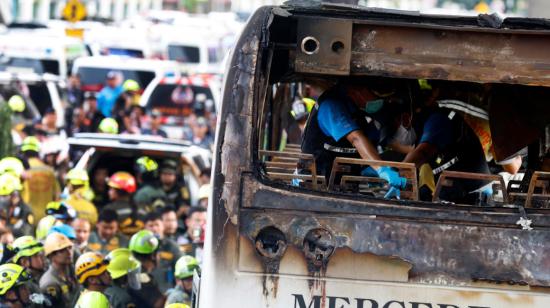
(451, 54)
(459, 252)
(324, 46)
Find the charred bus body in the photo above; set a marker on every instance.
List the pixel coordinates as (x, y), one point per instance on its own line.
(323, 243)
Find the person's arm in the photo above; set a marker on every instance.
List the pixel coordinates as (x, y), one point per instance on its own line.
(421, 154)
(364, 146)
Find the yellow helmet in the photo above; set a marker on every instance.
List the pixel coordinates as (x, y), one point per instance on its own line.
(30, 143)
(92, 299)
(44, 226)
(121, 262)
(9, 183)
(55, 242)
(12, 275)
(177, 305)
(108, 126)
(131, 85)
(16, 103)
(77, 177)
(90, 264)
(13, 165)
(26, 246)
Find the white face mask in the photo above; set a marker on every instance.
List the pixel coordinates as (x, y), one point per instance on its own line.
(405, 136)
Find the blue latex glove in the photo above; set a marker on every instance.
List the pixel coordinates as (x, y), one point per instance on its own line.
(370, 172)
(392, 177)
(393, 193)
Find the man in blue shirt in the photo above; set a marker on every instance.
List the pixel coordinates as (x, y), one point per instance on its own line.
(108, 95)
(344, 124)
(448, 143)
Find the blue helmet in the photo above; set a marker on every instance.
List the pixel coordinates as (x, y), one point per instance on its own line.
(66, 230)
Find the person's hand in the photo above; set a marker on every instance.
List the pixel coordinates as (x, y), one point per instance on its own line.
(392, 177)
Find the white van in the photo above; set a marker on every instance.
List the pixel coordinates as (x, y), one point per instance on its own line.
(49, 52)
(165, 94)
(93, 70)
(44, 91)
(195, 54)
(117, 41)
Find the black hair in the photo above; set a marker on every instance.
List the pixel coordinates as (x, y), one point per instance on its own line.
(195, 209)
(151, 216)
(167, 209)
(108, 215)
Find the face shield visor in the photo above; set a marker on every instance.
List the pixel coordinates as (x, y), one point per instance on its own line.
(134, 281)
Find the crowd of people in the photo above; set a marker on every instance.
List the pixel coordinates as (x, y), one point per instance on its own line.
(107, 239)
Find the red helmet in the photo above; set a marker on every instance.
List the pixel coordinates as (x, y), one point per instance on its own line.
(122, 180)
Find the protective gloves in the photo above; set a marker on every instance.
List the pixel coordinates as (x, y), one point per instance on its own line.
(392, 177)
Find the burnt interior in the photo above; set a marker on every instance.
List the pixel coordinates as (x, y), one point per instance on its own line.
(303, 58)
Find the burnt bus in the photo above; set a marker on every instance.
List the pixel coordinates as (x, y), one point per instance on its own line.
(282, 234)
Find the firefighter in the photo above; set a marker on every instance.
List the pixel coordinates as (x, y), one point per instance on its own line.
(18, 215)
(61, 211)
(144, 246)
(29, 253)
(125, 271)
(121, 187)
(91, 272)
(14, 290)
(181, 293)
(58, 282)
(81, 196)
(147, 174)
(92, 299)
(40, 186)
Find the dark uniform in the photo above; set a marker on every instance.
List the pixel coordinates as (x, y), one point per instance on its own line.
(458, 149)
(177, 295)
(95, 243)
(130, 217)
(146, 195)
(119, 297)
(327, 140)
(168, 254)
(21, 220)
(61, 292)
(149, 293)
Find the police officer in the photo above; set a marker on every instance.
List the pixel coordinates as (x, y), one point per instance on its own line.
(181, 293)
(125, 271)
(168, 252)
(92, 299)
(91, 272)
(58, 282)
(121, 187)
(29, 253)
(107, 238)
(17, 214)
(14, 289)
(338, 126)
(144, 246)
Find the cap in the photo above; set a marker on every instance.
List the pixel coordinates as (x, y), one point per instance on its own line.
(89, 95)
(112, 75)
(169, 165)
